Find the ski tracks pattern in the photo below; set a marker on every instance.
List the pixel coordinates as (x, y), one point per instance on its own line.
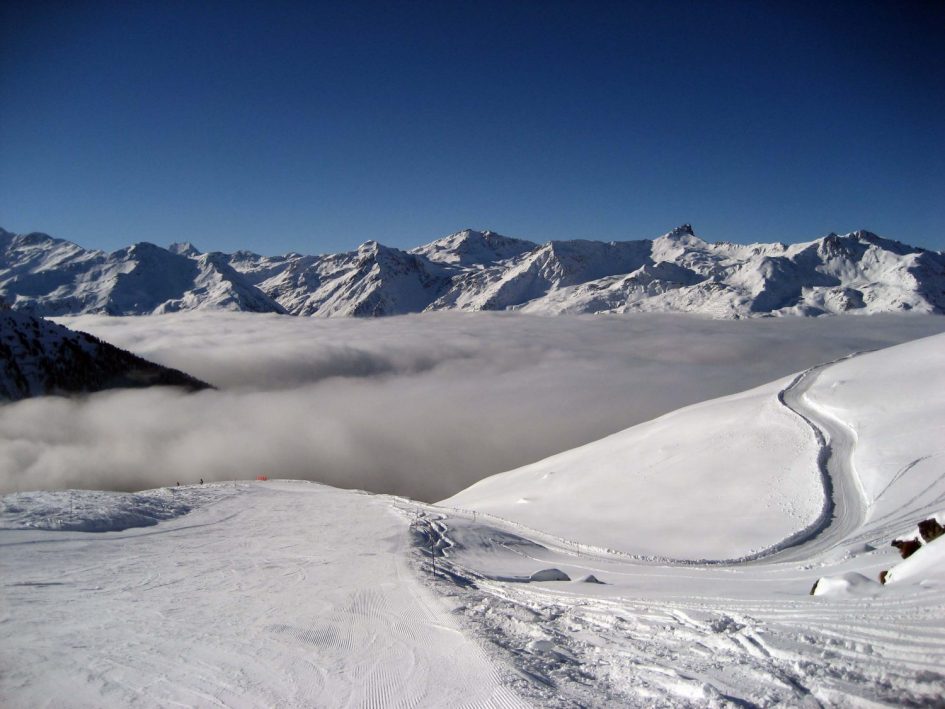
(724, 649)
(573, 650)
(303, 599)
(391, 645)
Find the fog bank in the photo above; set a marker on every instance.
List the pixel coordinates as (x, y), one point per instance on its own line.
(420, 405)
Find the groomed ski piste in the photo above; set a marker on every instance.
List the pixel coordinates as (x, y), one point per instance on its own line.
(670, 564)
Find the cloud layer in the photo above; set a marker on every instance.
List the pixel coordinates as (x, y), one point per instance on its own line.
(420, 405)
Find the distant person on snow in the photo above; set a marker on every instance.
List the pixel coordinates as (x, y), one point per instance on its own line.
(201, 481)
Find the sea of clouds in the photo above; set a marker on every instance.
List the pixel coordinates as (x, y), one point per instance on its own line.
(419, 405)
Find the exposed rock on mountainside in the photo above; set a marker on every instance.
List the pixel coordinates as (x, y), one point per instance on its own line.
(471, 270)
(39, 357)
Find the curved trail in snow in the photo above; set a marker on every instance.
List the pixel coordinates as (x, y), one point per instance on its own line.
(844, 508)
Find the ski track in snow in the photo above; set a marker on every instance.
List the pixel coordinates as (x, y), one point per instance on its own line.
(693, 636)
(290, 594)
(845, 504)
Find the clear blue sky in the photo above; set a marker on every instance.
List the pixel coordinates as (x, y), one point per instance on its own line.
(312, 127)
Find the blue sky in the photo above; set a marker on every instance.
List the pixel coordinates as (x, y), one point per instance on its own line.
(312, 127)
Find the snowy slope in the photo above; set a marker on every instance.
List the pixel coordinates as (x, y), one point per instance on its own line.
(270, 594)
(738, 469)
(745, 470)
(471, 270)
(892, 400)
(39, 357)
(102, 511)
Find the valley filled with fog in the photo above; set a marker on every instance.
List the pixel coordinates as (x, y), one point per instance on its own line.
(420, 406)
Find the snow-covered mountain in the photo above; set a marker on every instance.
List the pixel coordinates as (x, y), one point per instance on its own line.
(39, 357)
(474, 248)
(375, 280)
(54, 277)
(471, 270)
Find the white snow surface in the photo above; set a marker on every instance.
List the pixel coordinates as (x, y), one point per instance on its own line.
(925, 567)
(100, 510)
(893, 402)
(850, 583)
(737, 469)
(266, 594)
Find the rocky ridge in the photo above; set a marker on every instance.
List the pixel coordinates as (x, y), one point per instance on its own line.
(39, 357)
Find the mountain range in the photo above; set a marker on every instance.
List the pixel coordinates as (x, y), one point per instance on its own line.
(482, 270)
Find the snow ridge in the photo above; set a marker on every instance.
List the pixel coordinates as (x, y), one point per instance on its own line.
(482, 270)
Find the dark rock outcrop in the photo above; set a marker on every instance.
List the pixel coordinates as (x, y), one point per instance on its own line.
(907, 547)
(930, 529)
(549, 575)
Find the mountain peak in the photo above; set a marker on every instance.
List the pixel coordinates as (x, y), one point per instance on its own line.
(682, 230)
(183, 248)
(470, 247)
(145, 247)
(861, 239)
(681, 236)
